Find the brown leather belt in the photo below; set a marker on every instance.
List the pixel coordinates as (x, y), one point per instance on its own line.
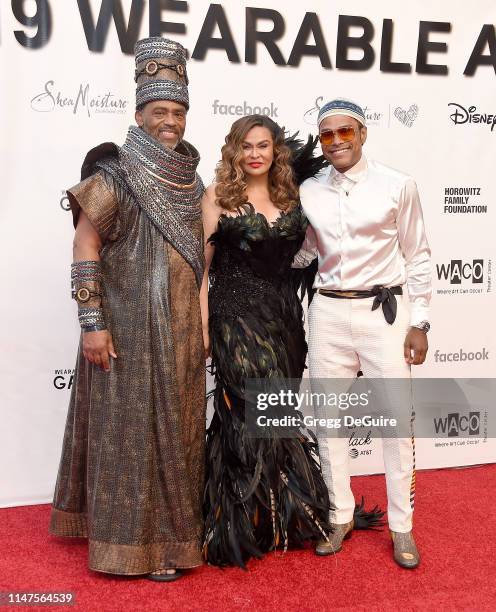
(382, 295)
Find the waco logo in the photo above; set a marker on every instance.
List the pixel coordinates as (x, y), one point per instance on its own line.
(457, 271)
(456, 423)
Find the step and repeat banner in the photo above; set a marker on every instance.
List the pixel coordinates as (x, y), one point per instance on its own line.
(423, 71)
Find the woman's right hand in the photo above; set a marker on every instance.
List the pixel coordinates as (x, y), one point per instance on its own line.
(206, 343)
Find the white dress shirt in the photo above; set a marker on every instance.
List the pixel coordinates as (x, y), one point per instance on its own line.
(367, 228)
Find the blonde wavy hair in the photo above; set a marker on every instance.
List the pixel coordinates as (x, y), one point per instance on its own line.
(230, 188)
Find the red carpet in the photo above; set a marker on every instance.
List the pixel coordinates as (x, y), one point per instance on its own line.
(455, 526)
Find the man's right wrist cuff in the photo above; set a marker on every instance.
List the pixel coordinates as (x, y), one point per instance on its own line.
(86, 280)
(91, 319)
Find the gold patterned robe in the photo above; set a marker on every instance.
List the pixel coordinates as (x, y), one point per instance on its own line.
(132, 467)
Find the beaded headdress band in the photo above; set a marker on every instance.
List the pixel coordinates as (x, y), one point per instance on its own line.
(160, 71)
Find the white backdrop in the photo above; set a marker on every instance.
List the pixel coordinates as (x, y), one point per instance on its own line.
(59, 99)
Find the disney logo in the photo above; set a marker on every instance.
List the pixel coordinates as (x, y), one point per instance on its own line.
(462, 115)
(50, 100)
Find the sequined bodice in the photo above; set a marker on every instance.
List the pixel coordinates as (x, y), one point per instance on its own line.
(253, 259)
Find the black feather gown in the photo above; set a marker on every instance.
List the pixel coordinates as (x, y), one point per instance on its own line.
(261, 493)
(264, 493)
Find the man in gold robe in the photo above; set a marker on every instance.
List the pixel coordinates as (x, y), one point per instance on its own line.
(132, 466)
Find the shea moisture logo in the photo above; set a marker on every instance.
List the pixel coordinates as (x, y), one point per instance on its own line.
(81, 100)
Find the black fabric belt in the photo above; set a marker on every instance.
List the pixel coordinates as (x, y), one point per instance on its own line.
(382, 295)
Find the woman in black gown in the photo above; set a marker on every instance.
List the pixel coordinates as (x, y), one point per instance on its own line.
(262, 493)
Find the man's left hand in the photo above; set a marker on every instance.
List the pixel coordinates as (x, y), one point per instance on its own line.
(415, 346)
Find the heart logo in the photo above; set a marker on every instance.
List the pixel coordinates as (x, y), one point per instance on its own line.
(407, 117)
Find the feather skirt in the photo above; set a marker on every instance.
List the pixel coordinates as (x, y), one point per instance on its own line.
(262, 494)
(267, 493)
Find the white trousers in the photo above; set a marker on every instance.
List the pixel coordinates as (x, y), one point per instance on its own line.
(346, 336)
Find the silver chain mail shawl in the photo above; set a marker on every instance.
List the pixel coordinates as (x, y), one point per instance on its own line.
(166, 186)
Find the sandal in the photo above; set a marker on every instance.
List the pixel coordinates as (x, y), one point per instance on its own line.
(165, 577)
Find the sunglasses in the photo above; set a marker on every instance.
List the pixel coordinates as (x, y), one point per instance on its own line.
(346, 134)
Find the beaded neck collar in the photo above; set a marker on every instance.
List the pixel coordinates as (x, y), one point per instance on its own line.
(177, 166)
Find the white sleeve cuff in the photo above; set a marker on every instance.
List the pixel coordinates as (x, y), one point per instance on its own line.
(418, 314)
